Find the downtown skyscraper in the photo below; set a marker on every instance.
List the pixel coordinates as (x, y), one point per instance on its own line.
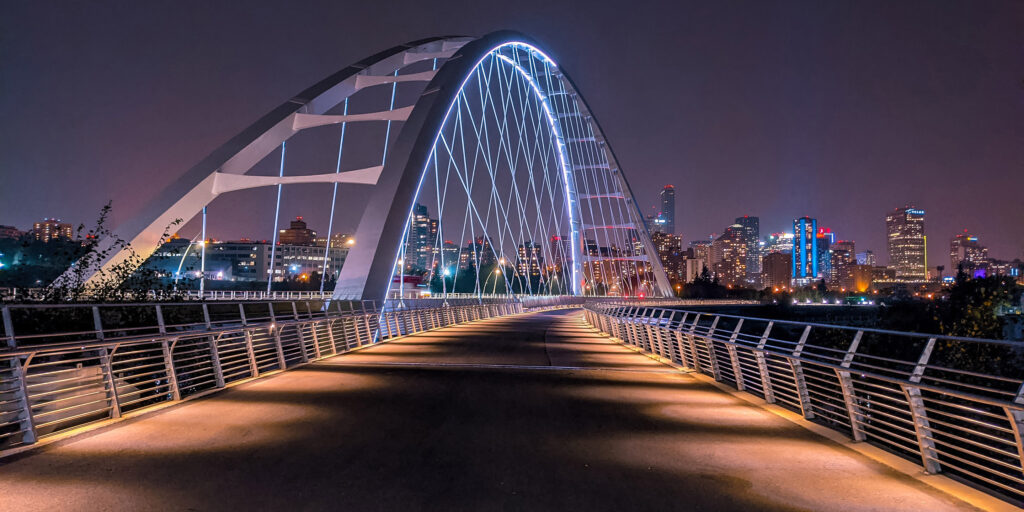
(752, 237)
(668, 210)
(906, 242)
(806, 260)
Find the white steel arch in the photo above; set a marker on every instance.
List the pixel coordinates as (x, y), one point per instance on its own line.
(607, 239)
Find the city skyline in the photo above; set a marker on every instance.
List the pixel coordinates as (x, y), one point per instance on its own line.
(836, 111)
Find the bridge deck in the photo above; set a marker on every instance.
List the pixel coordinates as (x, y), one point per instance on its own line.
(530, 412)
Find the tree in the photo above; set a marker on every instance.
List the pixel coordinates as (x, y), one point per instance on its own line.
(86, 280)
(974, 306)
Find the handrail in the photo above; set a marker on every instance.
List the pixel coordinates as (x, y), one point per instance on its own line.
(70, 384)
(937, 414)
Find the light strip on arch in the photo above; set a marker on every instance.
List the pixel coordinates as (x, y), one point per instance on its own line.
(552, 120)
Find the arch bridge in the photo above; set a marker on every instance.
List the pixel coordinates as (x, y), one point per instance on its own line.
(529, 388)
(491, 168)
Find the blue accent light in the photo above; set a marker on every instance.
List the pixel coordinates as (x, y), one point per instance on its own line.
(814, 247)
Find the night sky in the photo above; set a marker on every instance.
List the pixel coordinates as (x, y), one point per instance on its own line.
(837, 110)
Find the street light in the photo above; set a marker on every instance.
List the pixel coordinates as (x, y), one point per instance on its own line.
(495, 272)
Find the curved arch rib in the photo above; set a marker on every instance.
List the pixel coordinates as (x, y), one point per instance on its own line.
(369, 267)
(189, 194)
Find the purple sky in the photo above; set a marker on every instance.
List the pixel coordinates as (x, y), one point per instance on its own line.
(837, 110)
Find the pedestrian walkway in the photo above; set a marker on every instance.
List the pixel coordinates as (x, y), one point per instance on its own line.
(531, 412)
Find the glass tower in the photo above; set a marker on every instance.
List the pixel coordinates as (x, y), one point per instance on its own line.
(668, 210)
(805, 249)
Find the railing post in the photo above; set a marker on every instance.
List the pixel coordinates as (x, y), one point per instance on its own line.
(692, 335)
(172, 376)
(734, 357)
(925, 442)
(8, 326)
(106, 355)
(330, 334)
(366, 323)
(241, 312)
(849, 397)
(636, 339)
(1016, 417)
(386, 318)
(97, 323)
(678, 337)
(657, 336)
(798, 375)
(302, 337)
(254, 369)
(161, 326)
(25, 419)
(344, 331)
(762, 365)
(206, 316)
(316, 339)
(218, 370)
(710, 342)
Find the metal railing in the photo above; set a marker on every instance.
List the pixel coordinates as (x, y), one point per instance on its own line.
(953, 405)
(104, 361)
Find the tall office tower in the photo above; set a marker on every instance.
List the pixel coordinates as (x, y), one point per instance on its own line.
(752, 236)
(729, 254)
(908, 255)
(419, 247)
(668, 209)
(806, 253)
(51, 229)
(966, 249)
(775, 270)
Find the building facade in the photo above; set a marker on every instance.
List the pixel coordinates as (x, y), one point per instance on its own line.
(776, 269)
(10, 232)
(245, 261)
(419, 247)
(729, 256)
(668, 209)
(670, 252)
(966, 249)
(752, 237)
(805, 267)
(297, 234)
(51, 229)
(907, 244)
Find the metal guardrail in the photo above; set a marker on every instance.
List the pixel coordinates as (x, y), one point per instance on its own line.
(36, 294)
(954, 405)
(119, 358)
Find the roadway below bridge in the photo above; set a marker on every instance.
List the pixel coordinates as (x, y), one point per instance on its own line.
(532, 412)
